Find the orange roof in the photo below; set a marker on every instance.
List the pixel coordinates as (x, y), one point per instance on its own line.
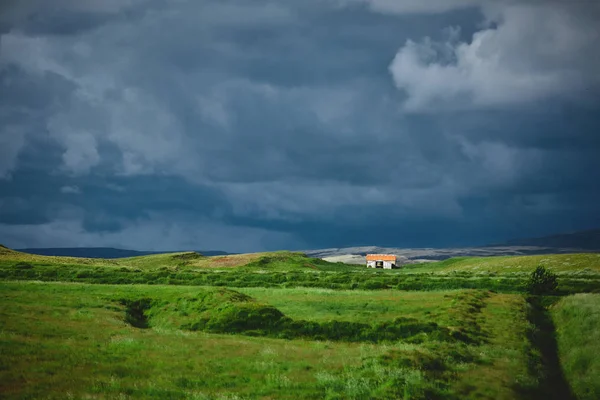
(381, 257)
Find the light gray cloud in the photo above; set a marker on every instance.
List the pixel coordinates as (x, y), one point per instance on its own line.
(70, 190)
(81, 153)
(12, 141)
(532, 52)
(415, 6)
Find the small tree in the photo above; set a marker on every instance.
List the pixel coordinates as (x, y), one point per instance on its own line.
(542, 281)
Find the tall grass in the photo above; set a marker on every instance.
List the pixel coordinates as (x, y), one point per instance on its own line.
(577, 320)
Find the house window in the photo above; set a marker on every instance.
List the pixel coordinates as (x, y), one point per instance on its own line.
(378, 264)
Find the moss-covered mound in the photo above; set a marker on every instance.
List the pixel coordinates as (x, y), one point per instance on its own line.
(214, 310)
(187, 257)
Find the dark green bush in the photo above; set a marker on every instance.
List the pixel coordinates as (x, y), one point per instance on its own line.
(542, 281)
(23, 265)
(236, 318)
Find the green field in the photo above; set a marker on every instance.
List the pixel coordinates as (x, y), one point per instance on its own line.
(285, 326)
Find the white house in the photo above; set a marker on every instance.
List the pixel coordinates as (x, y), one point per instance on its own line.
(385, 261)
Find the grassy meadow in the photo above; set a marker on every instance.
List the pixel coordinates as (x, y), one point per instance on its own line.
(284, 326)
(558, 263)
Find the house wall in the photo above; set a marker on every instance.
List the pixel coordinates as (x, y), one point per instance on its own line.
(386, 264)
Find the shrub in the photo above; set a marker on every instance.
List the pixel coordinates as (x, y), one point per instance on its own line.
(373, 285)
(542, 281)
(23, 265)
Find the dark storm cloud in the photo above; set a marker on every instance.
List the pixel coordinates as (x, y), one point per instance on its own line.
(268, 124)
(65, 17)
(39, 198)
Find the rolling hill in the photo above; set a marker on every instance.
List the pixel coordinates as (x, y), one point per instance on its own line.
(104, 252)
(584, 241)
(578, 242)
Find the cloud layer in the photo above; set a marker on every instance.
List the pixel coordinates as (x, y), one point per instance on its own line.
(272, 124)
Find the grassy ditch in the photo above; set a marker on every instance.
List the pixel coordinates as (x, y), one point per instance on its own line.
(577, 321)
(223, 310)
(544, 362)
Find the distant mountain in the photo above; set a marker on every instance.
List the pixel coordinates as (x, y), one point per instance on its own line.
(103, 252)
(578, 242)
(585, 240)
(356, 255)
(563, 243)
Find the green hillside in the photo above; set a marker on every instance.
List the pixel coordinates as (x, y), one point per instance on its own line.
(288, 261)
(559, 263)
(577, 272)
(279, 260)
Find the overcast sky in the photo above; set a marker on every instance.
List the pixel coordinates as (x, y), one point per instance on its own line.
(245, 125)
